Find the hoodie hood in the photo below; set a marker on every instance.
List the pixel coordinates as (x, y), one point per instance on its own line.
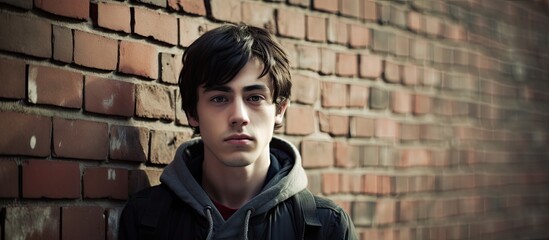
(288, 181)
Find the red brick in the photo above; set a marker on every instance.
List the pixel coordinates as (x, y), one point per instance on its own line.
(414, 21)
(330, 183)
(149, 23)
(308, 57)
(62, 44)
(290, 23)
(69, 137)
(346, 155)
(415, 158)
(189, 6)
(15, 30)
(138, 59)
(345, 183)
(83, 222)
(102, 182)
(398, 17)
(31, 222)
(141, 179)
(307, 87)
(316, 28)
(109, 96)
(386, 128)
(431, 77)
(432, 25)
(24, 134)
(13, 79)
(258, 14)
(51, 179)
(371, 66)
(350, 8)
(165, 143)
(113, 16)
(368, 10)
(326, 5)
(371, 184)
(300, 120)
(358, 96)
(361, 127)
(359, 36)
(78, 9)
(189, 30)
(158, 3)
(384, 12)
(337, 31)
(55, 86)
(333, 124)
(401, 102)
(402, 46)
(95, 51)
(392, 72)
(317, 153)
(155, 101)
(9, 178)
(347, 64)
(129, 143)
(334, 94)
(171, 65)
(328, 61)
(409, 132)
(386, 212)
(226, 10)
(410, 75)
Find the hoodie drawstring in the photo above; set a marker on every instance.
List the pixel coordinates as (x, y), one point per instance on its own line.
(247, 223)
(210, 223)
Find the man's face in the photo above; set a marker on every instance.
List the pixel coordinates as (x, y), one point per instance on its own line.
(237, 119)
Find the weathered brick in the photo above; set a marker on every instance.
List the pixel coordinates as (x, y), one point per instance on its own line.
(386, 128)
(316, 28)
(409, 132)
(143, 178)
(308, 57)
(334, 94)
(258, 14)
(410, 75)
(419, 49)
(55, 86)
(363, 213)
(401, 102)
(171, 65)
(290, 23)
(328, 61)
(62, 44)
(13, 79)
(368, 10)
(83, 222)
(129, 143)
(384, 12)
(326, 5)
(226, 10)
(165, 143)
(50, 179)
(415, 21)
(350, 8)
(330, 183)
(159, 3)
(379, 98)
(149, 23)
(370, 154)
(317, 153)
(138, 59)
(431, 77)
(9, 178)
(113, 16)
(70, 135)
(361, 127)
(155, 101)
(95, 51)
(307, 87)
(103, 182)
(402, 46)
(15, 31)
(371, 66)
(432, 25)
(380, 41)
(337, 31)
(359, 36)
(347, 64)
(189, 6)
(24, 134)
(32, 222)
(300, 120)
(24, 4)
(358, 96)
(391, 72)
(189, 30)
(78, 9)
(107, 96)
(415, 158)
(336, 125)
(386, 212)
(398, 17)
(346, 155)
(303, 3)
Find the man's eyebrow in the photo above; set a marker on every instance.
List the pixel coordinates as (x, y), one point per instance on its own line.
(255, 87)
(223, 88)
(220, 88)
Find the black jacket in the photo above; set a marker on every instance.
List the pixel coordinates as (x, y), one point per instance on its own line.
(186, 212)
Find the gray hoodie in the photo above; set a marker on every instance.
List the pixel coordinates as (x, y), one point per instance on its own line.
(288, 181)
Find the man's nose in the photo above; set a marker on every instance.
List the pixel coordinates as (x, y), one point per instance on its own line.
(239, 114)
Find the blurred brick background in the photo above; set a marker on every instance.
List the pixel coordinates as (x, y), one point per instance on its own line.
(425, 119)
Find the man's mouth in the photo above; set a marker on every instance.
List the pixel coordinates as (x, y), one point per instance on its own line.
(239, 139)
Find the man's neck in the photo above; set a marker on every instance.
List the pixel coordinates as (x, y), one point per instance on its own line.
(234, 186)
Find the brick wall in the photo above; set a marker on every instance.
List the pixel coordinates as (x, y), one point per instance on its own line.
(425, 119)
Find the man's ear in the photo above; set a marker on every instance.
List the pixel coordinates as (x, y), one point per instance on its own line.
(192, 121)
(280, 110)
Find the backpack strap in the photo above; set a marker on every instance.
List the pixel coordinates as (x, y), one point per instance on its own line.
(158, 203)
(305, 213)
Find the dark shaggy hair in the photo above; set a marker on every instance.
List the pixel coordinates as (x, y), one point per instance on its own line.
(218, 55)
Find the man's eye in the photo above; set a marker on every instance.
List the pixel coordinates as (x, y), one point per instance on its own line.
(255, 98)
(218, 99)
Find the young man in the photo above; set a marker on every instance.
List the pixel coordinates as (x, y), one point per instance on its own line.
(237, 181)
